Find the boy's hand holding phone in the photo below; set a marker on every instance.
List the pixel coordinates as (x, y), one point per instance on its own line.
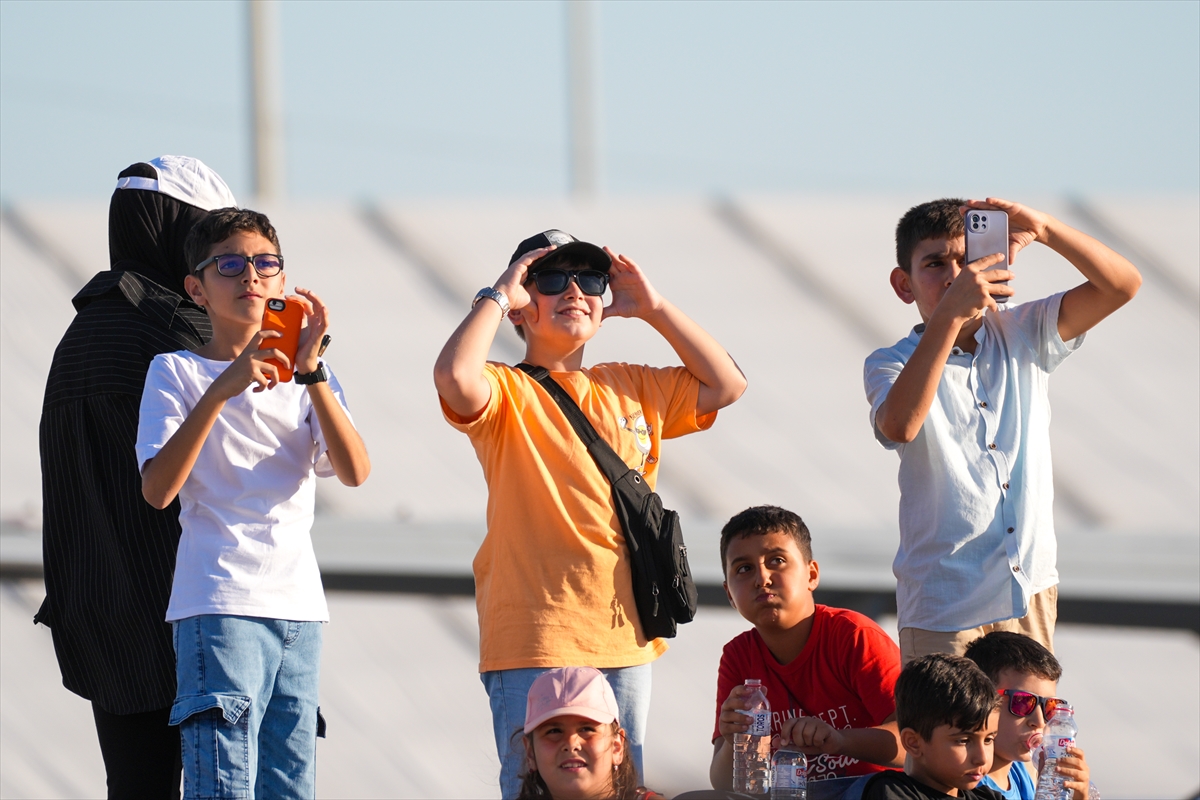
(316, 314)
(975, 289)
(1025, 225)
(254, 365)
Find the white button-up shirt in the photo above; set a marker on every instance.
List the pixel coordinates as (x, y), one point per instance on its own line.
(976, 484)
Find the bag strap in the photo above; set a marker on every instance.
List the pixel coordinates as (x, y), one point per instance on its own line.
(611, 464)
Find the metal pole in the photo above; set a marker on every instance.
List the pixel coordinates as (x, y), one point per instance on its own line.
(582, 127)
(266, 111)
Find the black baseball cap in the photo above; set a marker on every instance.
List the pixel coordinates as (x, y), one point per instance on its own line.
(567, 245)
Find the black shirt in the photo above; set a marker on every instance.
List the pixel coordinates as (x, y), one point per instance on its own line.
(108, 555)
(896, 785)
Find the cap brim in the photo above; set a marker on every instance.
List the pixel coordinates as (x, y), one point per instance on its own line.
(585, 252)
(595, 715)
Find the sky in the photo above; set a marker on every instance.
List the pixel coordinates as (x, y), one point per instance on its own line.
(459, 99)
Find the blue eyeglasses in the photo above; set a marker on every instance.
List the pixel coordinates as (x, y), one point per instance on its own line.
(231, 265)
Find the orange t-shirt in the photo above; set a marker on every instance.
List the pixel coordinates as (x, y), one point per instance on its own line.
(552, 579)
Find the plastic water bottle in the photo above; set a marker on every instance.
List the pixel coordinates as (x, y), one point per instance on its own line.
(1057, 738)
(789, 775)
(752, 749)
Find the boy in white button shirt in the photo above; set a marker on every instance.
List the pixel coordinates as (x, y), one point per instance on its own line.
(242, 449)
(963, 400)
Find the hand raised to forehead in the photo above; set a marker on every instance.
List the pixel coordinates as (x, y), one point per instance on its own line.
(632, 293)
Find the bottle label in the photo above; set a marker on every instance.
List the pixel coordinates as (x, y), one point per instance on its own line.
(790, 776)
(760, 723)
(1057, 746)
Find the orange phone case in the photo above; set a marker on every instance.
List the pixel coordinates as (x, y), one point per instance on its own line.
(287, 317)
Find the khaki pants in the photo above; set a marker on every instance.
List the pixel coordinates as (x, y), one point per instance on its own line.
(1038, 625)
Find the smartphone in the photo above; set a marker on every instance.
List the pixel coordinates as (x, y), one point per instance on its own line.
(287, 317)
(987, 233)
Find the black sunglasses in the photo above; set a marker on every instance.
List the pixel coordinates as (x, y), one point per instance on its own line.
(1022, 704)
(230, 265)
(555, 281)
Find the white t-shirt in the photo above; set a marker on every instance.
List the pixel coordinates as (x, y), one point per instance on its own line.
(247, 506)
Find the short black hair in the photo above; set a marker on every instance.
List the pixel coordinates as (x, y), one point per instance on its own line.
(937, 219)
(219, 225)
(1001, 650)
(761, 520)
(940, 689)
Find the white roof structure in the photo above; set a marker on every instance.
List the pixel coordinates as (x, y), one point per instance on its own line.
(795, 287)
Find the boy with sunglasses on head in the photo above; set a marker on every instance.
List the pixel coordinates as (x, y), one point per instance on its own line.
(241, 449)
(553, 581)
(1026, 676)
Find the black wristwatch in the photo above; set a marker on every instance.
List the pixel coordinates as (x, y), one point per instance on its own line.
(319, 375)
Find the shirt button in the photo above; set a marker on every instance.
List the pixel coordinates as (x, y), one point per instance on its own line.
(1010, 530)
(983, 404)
(992, 446)
(1006, 486)
(1016, 569)
(956, 351)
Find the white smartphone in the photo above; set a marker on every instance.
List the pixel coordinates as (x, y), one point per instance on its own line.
(987, 233)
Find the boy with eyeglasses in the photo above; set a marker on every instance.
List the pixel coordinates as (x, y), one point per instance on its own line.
(552, 577)
(241, 449)
(1026, 675)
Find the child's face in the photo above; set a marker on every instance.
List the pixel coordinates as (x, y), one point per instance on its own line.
(1012, 737)
(952, 760)
(239, 300)
(565, 321)
(935, 265)
(576, 756)
(768, 580)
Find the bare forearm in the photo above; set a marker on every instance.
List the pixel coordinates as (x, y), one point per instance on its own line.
(879, 745)
(166, 473)
(1112, 280)
(458, 373)
(720, 772)
(1107, 270)
(903, 412)
(721, 381)
(346, 450)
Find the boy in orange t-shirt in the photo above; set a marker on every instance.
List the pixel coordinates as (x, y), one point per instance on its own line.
(552, 578)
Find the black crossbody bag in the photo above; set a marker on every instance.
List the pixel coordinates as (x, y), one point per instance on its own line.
(662, 582)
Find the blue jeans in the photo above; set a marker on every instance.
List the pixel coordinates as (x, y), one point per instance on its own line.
(508, 690)
(246, 706)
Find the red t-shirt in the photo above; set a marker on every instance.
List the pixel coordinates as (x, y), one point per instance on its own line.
(846, 675)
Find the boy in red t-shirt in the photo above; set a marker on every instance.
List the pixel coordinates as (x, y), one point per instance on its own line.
(829, 673)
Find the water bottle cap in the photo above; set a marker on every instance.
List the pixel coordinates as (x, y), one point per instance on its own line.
(753, 682)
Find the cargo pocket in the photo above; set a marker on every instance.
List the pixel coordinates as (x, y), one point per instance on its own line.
(216, 744)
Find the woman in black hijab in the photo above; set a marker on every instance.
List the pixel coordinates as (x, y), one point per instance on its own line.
(108, 555)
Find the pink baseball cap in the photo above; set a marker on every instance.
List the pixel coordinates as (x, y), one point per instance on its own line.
(579, 691)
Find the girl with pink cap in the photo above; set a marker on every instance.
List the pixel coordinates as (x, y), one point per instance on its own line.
(575, 746)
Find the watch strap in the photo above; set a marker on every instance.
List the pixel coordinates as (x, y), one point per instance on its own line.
(318, 375)
(493, 294)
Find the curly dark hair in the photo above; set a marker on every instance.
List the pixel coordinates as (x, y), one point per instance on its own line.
(625, 780)
(219, 225)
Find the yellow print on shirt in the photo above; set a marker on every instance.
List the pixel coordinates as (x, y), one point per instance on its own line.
(636, 425)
